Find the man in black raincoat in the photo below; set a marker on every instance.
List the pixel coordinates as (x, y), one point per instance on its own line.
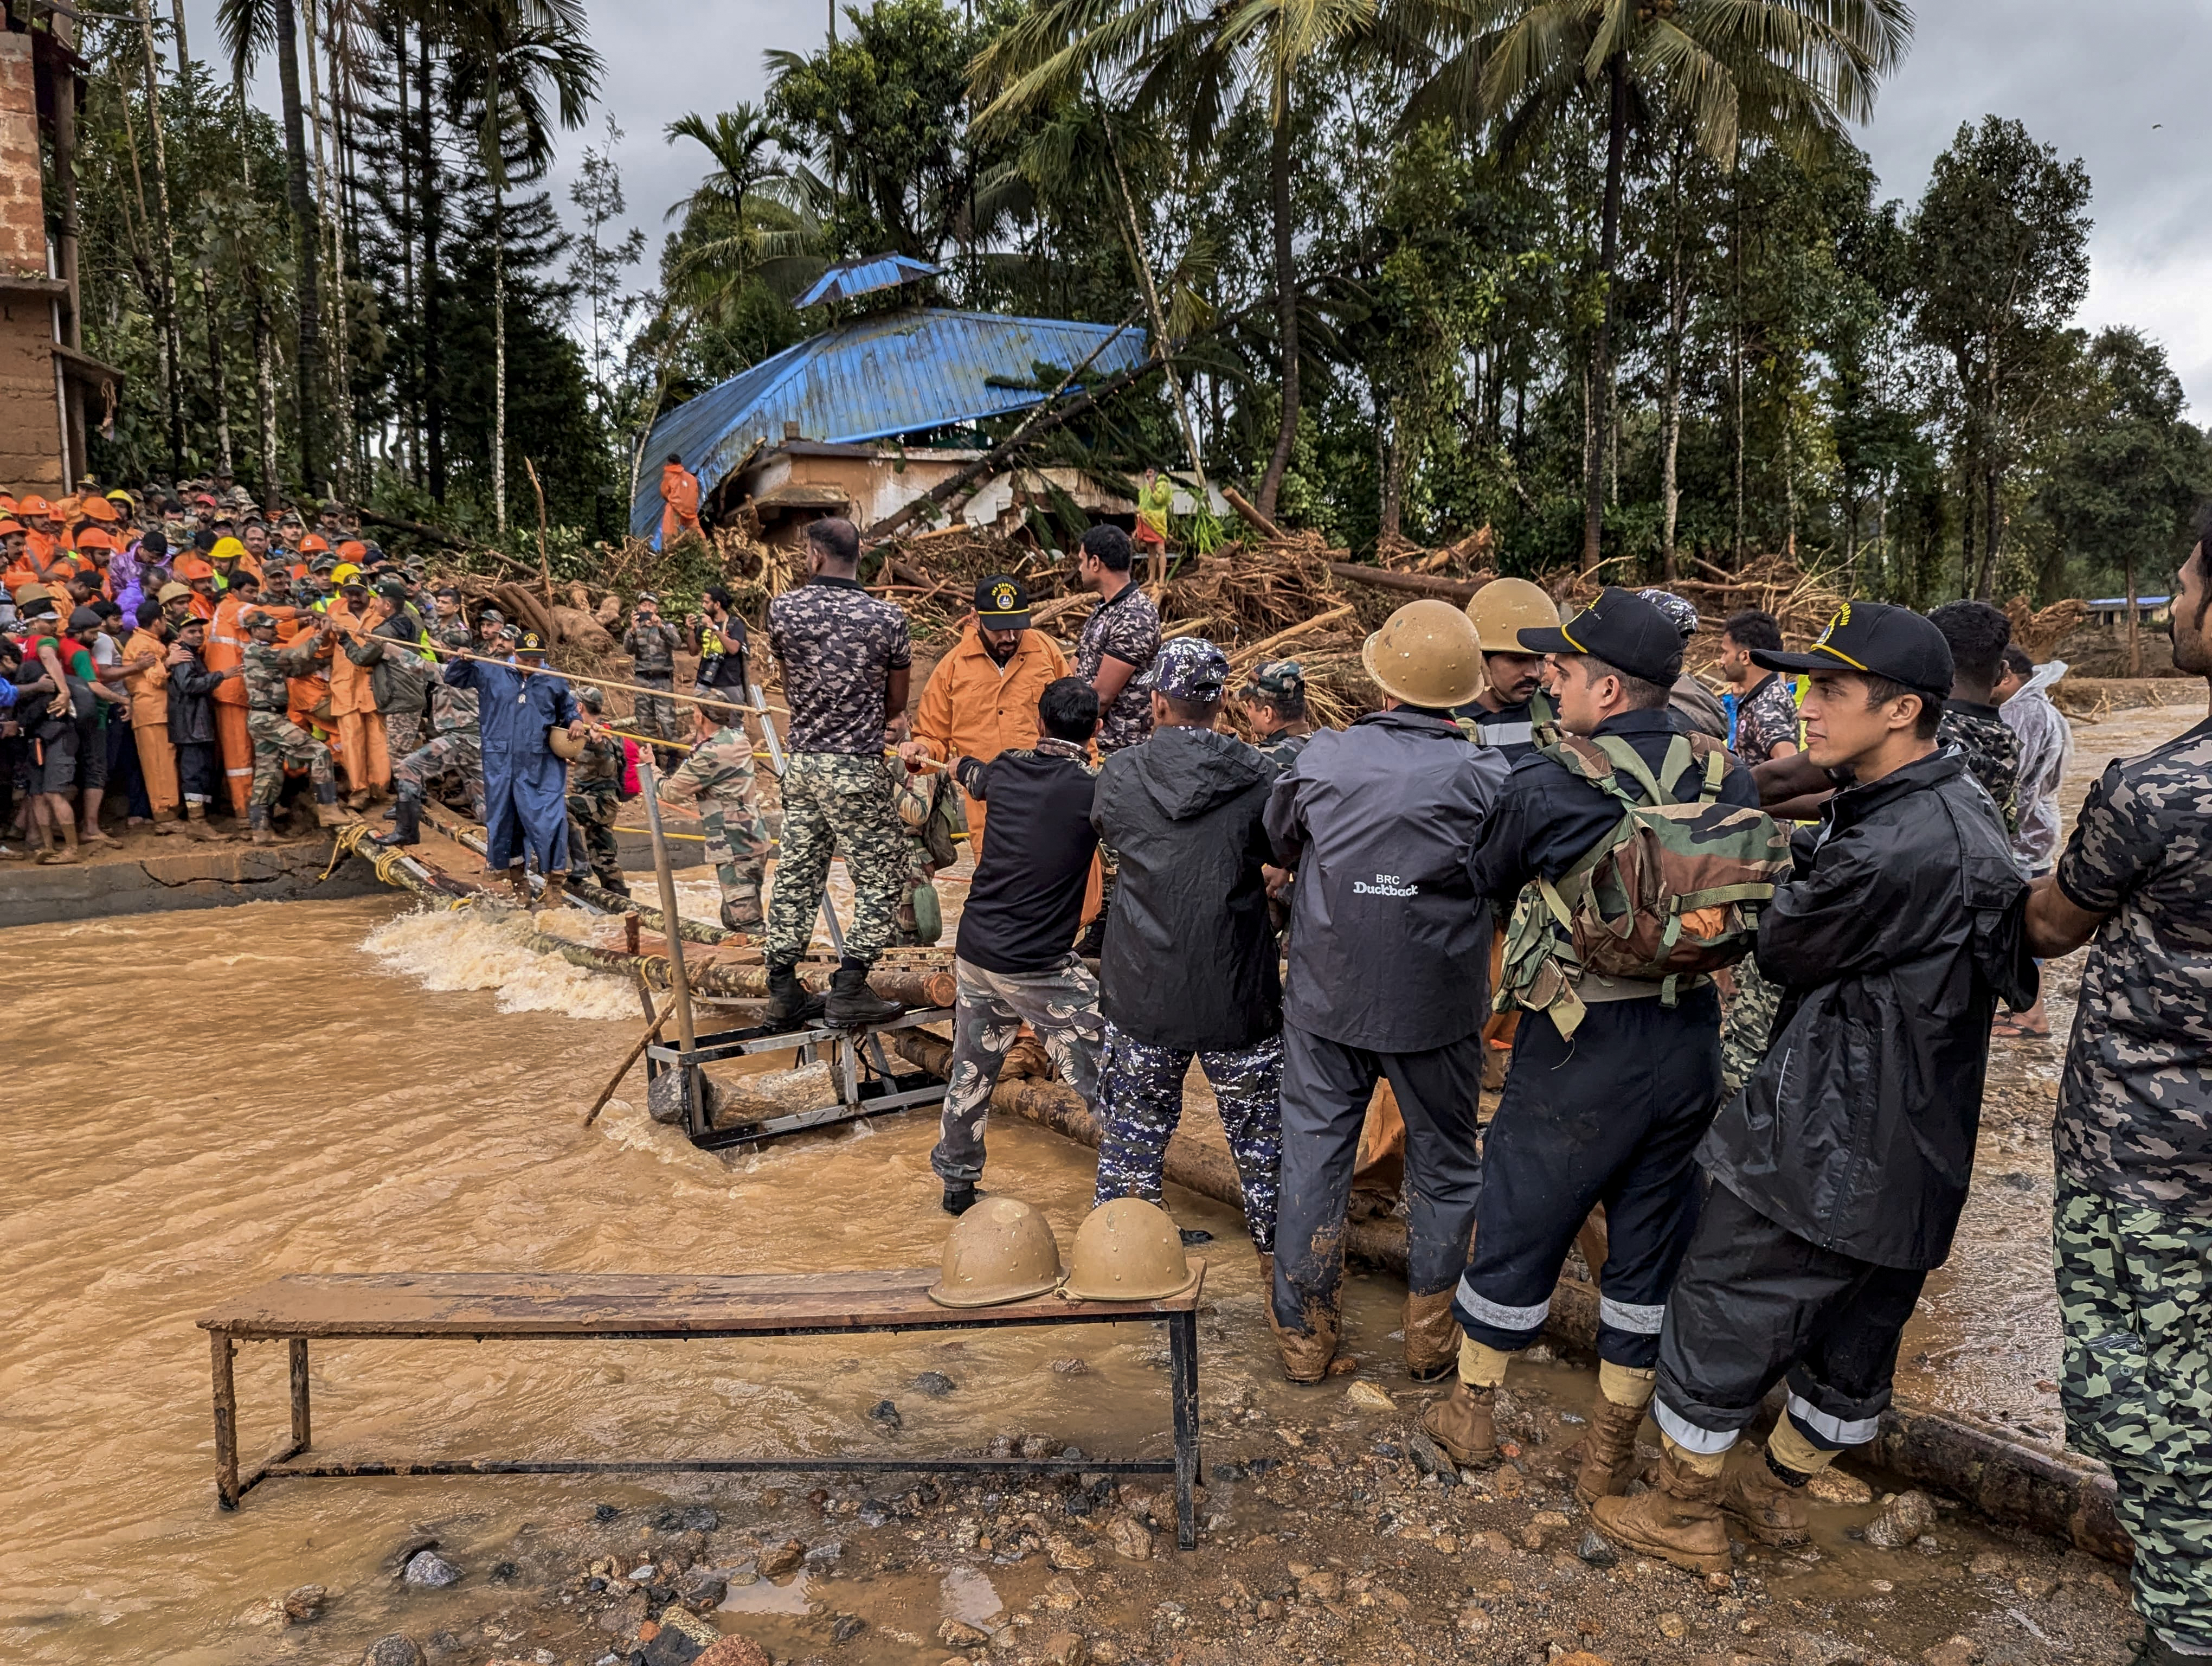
(1839, 1171)
(1189, 967)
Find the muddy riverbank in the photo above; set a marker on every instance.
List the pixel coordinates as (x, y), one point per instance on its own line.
(203, 1101)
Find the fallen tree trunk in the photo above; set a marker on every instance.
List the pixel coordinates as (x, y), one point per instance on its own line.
(2055, 1493)
(1417, 584)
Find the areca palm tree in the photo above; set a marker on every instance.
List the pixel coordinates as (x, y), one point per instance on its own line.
(1197, 63)
(249, 28)
(1788, 71)
(517, 67)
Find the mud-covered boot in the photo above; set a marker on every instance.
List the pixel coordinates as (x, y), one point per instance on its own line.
(555, 894)
(852, 1004)
(361, 799)
(1772, 1509)
(406, 824)
(790, 1003)
(742, 913)
(168, 824)
(1432, 1335)
(1677, 1521)
(65, 852)
(1465, 1423)
(1305, 1354)
(327, 813)
(196, 826)
(256, 817)
(1608, 1451)
(960, 1196)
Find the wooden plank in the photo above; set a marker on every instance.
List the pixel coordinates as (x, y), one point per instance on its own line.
(521, 1304)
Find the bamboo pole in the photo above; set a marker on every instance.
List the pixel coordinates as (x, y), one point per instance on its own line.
(593, 681)
(665, 876)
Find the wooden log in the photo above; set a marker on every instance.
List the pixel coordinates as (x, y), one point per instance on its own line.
(1259, 523)
(1417, 584)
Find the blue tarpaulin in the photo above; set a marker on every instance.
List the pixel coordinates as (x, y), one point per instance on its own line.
(904, 371)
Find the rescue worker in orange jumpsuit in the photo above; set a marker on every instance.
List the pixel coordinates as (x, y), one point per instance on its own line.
(679, 498)
(225, 651)
(981, 699)
(353, 703)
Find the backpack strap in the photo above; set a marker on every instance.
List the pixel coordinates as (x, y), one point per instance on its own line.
(1704, 750)
(1622, 757)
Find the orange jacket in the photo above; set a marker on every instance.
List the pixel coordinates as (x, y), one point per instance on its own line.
(971, 708)
(150, 686)
(679, 490)
(226, 647)
(351, 693)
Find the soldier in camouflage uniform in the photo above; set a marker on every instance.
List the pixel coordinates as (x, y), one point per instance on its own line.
(651, 644)
(1140, 1102)
(595, 794)
(846, 660)
(456, 744)
(718, 775)
(278, 741)
(2133, 1226)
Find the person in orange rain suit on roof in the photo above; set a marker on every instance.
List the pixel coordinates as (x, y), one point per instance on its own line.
(225, 651)
(353, 702)
(679, 498)
(981, 699)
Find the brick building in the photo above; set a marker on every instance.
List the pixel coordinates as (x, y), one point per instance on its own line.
(50, 390)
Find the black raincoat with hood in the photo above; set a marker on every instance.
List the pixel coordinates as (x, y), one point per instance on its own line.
(1901, 928)
(1189, 961)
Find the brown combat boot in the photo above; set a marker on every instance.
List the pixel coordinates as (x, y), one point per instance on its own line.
(1772, 1511)
(555, 894)
(327, 813)
(1677, 1521)
(196, 826)
(1432, 1335)
(1305, 1355)
(1464, 1422)
(1608, 1451)
(257, 817)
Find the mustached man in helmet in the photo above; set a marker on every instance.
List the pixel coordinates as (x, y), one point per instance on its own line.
(1614, 1077)
(1389, 978)
(1509, 710)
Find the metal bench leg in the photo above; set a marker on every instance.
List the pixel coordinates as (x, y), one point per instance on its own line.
(226, 1421)
(1182, 1372)
(300, 1435)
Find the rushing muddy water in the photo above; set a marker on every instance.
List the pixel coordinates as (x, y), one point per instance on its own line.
(203, 1101)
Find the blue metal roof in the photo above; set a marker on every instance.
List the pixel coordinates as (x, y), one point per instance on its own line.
(896, 373)
(865, 274)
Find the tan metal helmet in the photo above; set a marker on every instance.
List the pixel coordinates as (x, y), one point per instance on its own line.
(1503, 608)
(1001, 1250)
(1426, 654)
(1127, 1251)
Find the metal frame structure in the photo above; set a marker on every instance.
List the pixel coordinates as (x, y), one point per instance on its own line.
(226, 1330)
(890, 1090)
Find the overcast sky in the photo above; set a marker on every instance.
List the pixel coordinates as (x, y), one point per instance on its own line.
(2119, 83)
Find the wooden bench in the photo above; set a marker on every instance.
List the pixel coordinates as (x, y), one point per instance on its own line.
(644, 1307)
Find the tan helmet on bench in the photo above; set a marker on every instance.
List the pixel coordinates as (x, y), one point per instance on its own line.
(1127, 1251)
(1001, 1250)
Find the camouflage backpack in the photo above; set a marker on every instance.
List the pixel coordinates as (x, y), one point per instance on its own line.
(1672, 892)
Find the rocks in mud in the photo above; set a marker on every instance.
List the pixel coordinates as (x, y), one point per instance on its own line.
(885, 1414)
(1130, 1538)
(1322, 1584)
(1543, 1527)
(1368, 1397)
(701, 1589)
(935, 1383)
(1904, 1519)
(1951, 1651)
(1427, 1458)
(1833, 1486)
(1064, 1555)
(1597, 1550)
(779, 1560)
(303, 1604)
(847, 1627)
(959, 1634)
(396, 1649)
(735, 1651)
(431, 1571)
(1071, 1366)
(1066, 1649)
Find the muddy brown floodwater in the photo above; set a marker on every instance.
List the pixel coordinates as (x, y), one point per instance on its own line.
(203, 1101)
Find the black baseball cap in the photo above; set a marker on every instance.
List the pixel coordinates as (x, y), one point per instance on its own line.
(1878, 640)
(1002, 602)
(1619, 628)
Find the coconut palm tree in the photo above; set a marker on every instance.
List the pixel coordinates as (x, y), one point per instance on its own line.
(1196, 62)
(249, 28)
(509, 59)
(1790, 72)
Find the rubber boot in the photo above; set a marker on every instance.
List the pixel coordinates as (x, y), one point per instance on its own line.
(1305, 1355)
(327, 813)
(196, 824)
(790, 1003)
(406, 824)
(742, 913)
(1608, 1451)
(555, 894)
(1677, 1521)
(613, 882)
(1772, 1511)
(1465, 1423)
(257, 817)
(852, 1004)
(1432, 1335)
(959, 1196)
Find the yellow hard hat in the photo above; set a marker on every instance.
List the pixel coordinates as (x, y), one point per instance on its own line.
(1127, 1251)
(339, 575)
(1503, 608)
(226, 549)
(1427, 653)
(1001, 1250)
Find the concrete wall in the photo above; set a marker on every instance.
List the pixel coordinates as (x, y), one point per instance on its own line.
(199, 877)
